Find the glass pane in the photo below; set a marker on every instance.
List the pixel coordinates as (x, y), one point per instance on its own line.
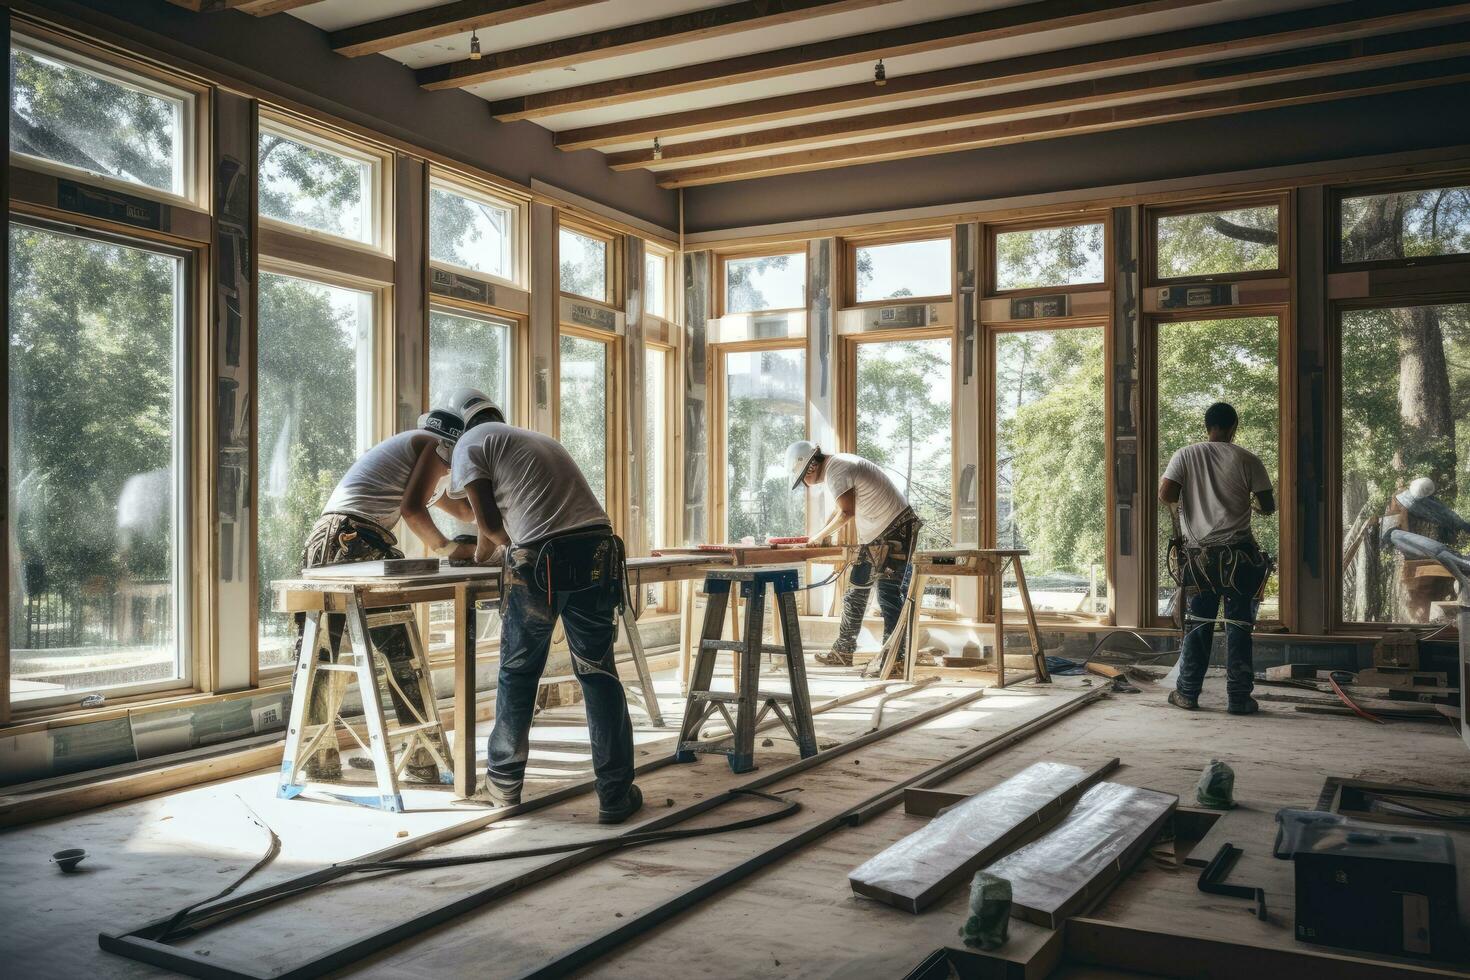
(315, 188)
(1395, 432)
(1051, 475)
(1217, 242)
(1042, 257)
(903, 269)
(770, 282)
(656, 283)
(583, 408)
(469, 351)
(583, 265)
(1208, 361)
(315, 396)
(655, 456)
(1406, 224)
(471, 233)
(72, 115)
(94, 460)
(765, 411)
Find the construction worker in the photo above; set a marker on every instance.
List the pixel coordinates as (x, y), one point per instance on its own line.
(561, 560)
(1210, 486)
(395, 479)
(888, 527)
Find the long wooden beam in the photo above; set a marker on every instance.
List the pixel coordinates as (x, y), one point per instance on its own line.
(1273, 95)
(444, 20)
(1007, 22)
(259, 8)
(1238, 37)
(650, 35)
(1357, 55)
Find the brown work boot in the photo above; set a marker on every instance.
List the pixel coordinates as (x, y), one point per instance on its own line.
(1183, 701)
(325, 764)
(834, 658)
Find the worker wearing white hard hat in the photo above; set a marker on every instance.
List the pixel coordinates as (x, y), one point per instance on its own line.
(862, 495)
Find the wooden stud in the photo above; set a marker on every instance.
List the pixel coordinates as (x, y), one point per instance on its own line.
(465, 772)
(441, 21)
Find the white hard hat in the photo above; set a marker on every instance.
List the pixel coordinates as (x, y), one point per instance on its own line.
(799, 456)
(472, 404)
(1422, 487)
(447, 425)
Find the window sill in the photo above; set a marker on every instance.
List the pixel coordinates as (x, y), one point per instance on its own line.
(23, 722)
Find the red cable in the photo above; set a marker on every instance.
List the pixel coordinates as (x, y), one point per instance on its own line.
(1357, 710)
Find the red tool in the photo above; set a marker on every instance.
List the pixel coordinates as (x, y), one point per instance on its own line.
(798, 539)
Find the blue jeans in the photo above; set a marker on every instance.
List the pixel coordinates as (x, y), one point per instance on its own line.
(525, 639)
(1199, 638)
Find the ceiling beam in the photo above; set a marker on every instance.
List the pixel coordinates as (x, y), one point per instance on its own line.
(1356, 55)
(259, 8)
(1238, 37)
(444, 20)
(1006, 22)
(650, 35)
(1273, 95)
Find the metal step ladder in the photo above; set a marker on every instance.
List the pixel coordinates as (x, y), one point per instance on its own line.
(750, 704)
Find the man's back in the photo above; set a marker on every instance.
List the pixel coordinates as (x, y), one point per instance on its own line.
(538, 488)
(1217, 480)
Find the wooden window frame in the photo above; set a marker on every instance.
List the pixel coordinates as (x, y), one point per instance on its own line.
(1337, 195)
(517, 403)
(668, 522)
(1285, 247)
(441, 178)
(1045, 224)
(613, 271)
(851, 246)
(723, 258)
(616, 503)
(665, 256)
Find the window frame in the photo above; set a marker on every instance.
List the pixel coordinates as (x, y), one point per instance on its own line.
(515, 327)
(993, 230)
(850, 247)
(722, 259)
(612, 271)
(443, 179)
(1285, 248)
(1337, 195)
(666, 256)
(318, 136)
(195, 125)
(613, 347)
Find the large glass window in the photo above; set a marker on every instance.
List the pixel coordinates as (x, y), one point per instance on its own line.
(315, 360)
(314, 184)
(902, 269)
(1217, 243)
(95, 464)
(1405, 224)
(765, 411)
(656, 283)
(767, 282)
(583, 264)
(471, 231)
(1405, 408)
(655, 444)
(583, 408)
(99, 120)
(1047, 258)
(1231, 360)
(469, 350)
(1050, 464)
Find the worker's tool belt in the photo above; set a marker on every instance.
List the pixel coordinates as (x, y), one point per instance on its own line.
(339, 538)
(890, 552)
(573, 562)
(1237, 568)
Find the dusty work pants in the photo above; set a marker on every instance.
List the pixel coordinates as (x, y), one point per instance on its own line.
(1231, 574)
(527, 621)
(889, 558)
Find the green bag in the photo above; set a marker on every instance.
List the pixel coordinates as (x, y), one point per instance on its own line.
(990, 912)
(1216, 787)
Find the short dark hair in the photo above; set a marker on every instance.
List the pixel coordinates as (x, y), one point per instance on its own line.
(1222, 416)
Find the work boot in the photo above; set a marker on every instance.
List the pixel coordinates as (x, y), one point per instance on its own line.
(834, 658)
(498, 796)
(1183, 701)
(325, 764)
(632, 801)
(422, 773)
(1247, 707)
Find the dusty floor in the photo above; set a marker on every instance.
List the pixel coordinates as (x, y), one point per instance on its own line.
(797, 918)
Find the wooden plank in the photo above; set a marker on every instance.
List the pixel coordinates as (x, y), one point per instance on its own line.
(441, 21)
(918, 802)
(1235, 37)
(650, 35)
(1273, 95)
(1408, 47)
(1007, 22)
(386, 568)
(465, 772)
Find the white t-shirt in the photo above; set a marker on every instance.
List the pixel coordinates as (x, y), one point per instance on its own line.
(878, 500)
(374, 484)
(1217, 481)
(537, 486)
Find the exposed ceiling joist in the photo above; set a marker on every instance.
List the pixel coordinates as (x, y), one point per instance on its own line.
(1356, 55)
(991, 25)
(1243, 36)
(445, 20)
(648, 36)
(259, 8)
(1273, 95)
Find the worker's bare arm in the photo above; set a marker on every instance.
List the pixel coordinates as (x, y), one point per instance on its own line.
(841, 517)
(1169, 491)
(1266, 502)
(456, 507)
(488, 521)
(427, 473)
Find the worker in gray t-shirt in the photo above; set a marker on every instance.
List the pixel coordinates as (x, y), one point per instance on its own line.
(1211, 488)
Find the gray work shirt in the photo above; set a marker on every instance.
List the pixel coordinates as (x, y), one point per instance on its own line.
(1217, 481)
(537, 486)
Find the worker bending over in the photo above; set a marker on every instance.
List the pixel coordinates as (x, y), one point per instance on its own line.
(1210, 487)
(862, 494)
(561, 559)
(394, 479)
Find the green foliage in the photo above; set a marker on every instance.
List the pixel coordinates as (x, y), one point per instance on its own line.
(468, 233)
(744, 292)
(1217, 242)
(583, 265)
(1042, 257)
(582, 425)
(765, 412)
(1409, 224)
(313, 188)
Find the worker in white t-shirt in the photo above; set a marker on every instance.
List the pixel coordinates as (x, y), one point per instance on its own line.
(862, 494)
(1211, 487)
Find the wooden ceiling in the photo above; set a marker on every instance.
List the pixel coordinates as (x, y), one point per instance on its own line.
(733, 91)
